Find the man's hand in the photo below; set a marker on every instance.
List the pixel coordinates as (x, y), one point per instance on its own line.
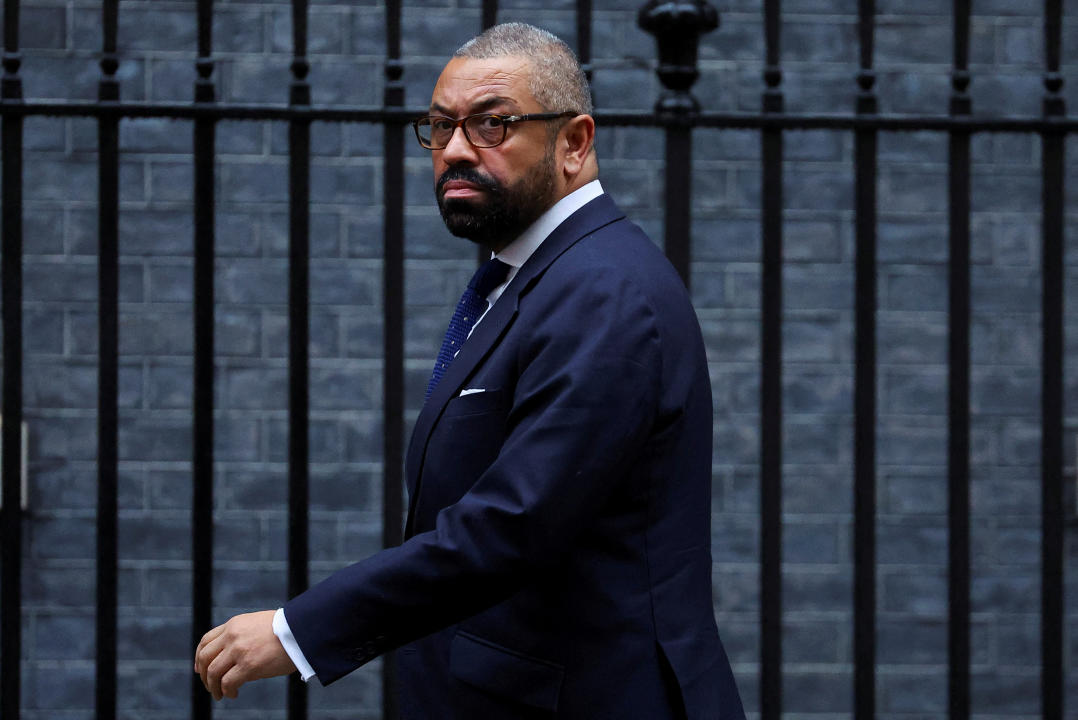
(242, 649)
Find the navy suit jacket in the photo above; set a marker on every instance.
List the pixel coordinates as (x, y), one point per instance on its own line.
(557, 556)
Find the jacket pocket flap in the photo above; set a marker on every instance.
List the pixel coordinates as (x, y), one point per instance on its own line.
(505, 673)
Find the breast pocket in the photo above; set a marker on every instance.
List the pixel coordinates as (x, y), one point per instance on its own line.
(463, 444)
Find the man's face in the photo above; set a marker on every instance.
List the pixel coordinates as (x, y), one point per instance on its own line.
(491, 195)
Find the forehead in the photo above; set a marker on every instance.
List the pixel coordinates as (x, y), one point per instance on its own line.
(468, 84)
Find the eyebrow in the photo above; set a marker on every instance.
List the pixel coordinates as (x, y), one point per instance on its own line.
(481, 106)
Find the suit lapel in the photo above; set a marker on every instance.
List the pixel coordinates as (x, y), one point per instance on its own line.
(597, 213)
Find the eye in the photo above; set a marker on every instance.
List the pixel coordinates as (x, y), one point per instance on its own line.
(489, 122)
(441, 124)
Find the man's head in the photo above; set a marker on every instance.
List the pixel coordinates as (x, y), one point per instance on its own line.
(491, 194)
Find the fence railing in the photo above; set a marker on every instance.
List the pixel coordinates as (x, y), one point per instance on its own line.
(676, 26)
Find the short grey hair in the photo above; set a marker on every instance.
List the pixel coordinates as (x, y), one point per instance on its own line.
(558, 82)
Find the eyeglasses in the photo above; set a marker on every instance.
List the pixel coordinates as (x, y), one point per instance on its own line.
(484, 130)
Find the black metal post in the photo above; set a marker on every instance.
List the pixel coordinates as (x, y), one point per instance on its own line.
(393, 322)
(677, 27)
(11, 470)
(583, 38)
(771, 380)
(108, 128)
(864, 590)
(490, 13)
(299, 200)
(1052, 543)
(204, 246)
(959, 382)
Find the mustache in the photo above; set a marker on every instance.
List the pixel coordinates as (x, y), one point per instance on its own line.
(467, 175)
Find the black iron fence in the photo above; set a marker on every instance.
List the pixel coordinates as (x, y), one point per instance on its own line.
(676, 26)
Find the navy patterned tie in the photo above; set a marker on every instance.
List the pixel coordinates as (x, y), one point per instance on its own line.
(472, 303)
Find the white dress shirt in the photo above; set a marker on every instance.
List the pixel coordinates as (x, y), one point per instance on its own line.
(515, 254)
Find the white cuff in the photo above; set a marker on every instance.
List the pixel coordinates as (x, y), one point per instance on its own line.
(284, 634)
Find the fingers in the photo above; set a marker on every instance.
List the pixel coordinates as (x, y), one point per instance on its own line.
(202, 651)
(208, 652)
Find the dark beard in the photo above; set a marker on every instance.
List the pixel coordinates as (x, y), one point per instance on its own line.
(507, 210)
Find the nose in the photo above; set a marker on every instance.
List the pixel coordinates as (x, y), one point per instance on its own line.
(458, 151)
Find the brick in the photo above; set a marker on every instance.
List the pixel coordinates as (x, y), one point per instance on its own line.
(160, 333)
(368, 31)
(266, 489)
(62, 636)
(735, 540)
(817, 392)
(43, 232)
(823, 692)
(144, 690)
(155, 440)
(239, 29)
(352, 285)
(255, 388)
(335, 490)
(67, 686)
(156, 135)
(909, 494)
(816, 590)
(1017, 592)
(921, 595)
(237, 333)
(323, 328)
(810, 543)
(247, 589)
(63, 536)
(335, 388)
(237, 438)
(346, 82)
(912, 693)
(66, 587)
(1010, 692)
(43, 332)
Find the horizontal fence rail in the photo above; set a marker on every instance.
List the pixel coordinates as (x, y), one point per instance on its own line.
(677, 28)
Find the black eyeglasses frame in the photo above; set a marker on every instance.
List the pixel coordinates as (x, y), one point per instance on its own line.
(506, 121)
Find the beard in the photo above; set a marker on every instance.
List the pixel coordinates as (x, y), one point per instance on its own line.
(506, 211)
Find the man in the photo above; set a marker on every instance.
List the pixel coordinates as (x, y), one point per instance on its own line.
(557, 560)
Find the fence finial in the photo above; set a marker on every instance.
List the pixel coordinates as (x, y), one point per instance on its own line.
(677, 27)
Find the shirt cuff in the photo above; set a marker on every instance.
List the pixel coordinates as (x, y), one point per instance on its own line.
(284, 634)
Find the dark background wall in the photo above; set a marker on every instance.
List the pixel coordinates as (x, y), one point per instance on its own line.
(61, 41)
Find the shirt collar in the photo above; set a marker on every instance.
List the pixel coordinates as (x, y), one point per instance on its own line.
(517, 252)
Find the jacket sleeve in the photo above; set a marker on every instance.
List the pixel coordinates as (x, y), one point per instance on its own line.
(586, 396)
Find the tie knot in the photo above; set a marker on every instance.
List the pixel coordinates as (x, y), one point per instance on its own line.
(490, 275)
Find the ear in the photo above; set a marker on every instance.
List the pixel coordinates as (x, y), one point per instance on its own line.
(575, 142)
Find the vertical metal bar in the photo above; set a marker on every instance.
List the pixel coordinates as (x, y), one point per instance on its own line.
(393, 322)
(1052, 542)
(490, 13)
(959, 379)
(11, 128)
(864, 592)
(108, 370)
(677, 196)
(204, 139)
(677, 29)
(583, 37)
(299, 199)
(771, 381)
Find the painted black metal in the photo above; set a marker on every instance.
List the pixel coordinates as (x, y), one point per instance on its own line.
(108, 207)
(202, 485)
(771, 379)
(958, 688)
(677, 27)
(1053, 154)
(490, 13)
(299, 202)
(583, 38)
(864, 431)
(11, 147)
(393, 325)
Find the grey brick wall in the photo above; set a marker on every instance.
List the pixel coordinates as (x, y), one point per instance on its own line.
(61, 39)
